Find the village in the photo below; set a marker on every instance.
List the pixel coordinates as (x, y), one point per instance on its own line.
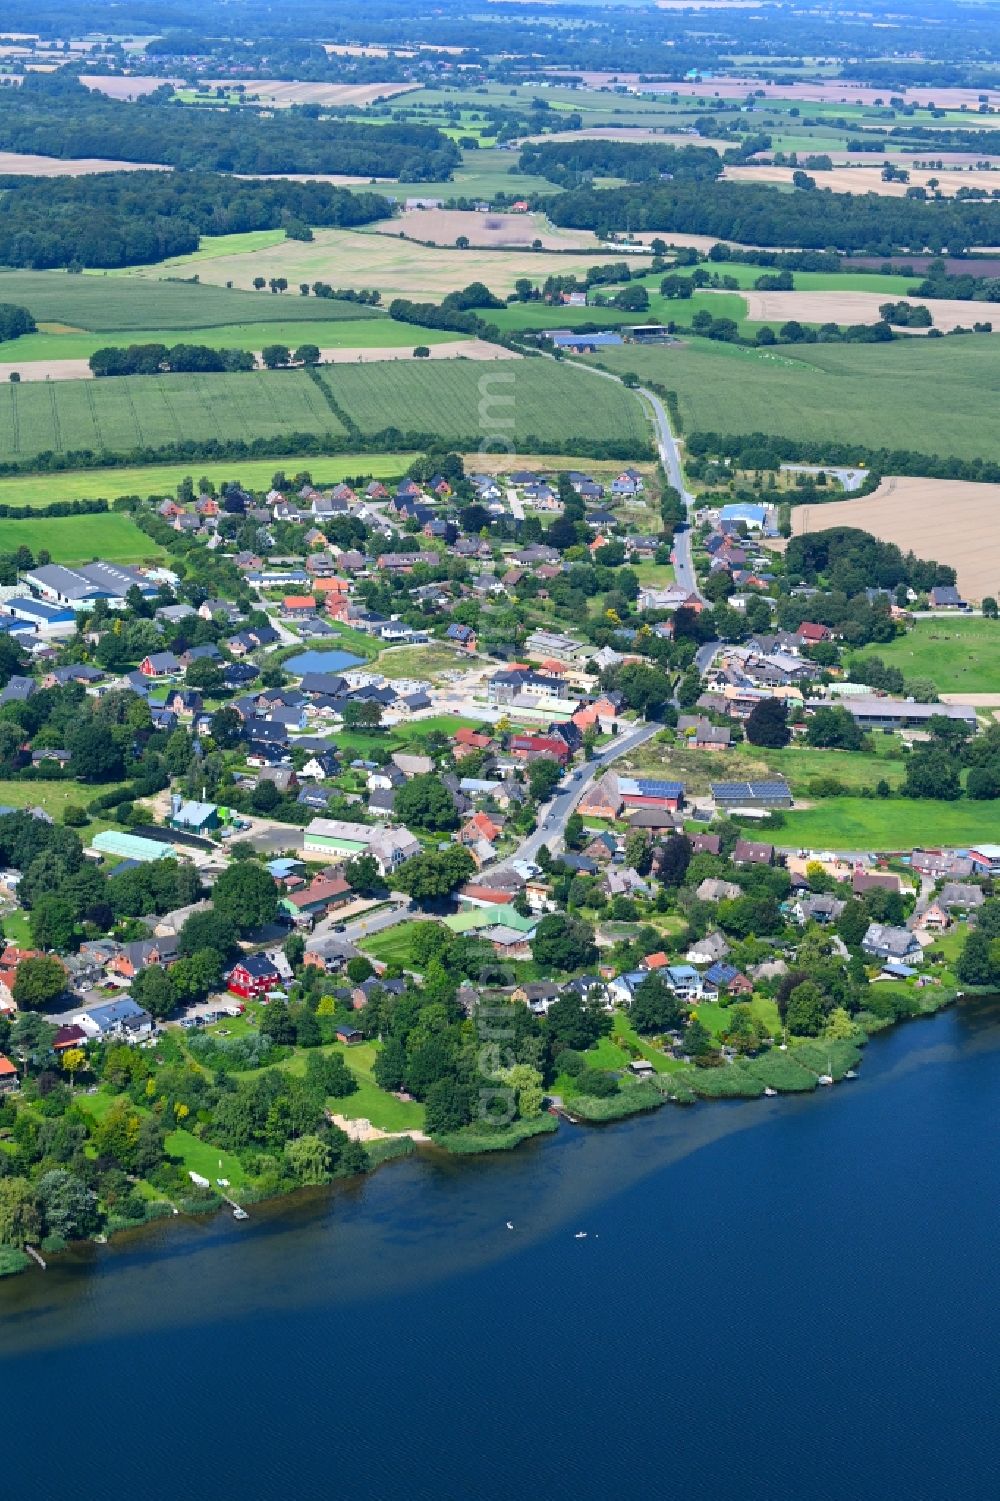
(537, 736)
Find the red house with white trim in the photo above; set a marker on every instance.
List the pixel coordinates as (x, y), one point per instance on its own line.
(254, 976)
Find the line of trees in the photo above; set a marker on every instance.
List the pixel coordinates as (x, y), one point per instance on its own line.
(156, 359)
(758, 214)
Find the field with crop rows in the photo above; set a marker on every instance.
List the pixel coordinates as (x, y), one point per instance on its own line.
(533, 403)
(875, 395)
(127, 413)
(108, 303)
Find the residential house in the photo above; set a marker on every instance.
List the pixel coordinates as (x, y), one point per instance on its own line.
(254, 976)
(818, 907)
(956, 896)
(873, 880)
(528, 748)
(885, 942)
(122, 1020)
(159, 664)
(708, 949)
(648, 792)
(753, 852)
(713, 890)
(322, 894)
(9, 1079)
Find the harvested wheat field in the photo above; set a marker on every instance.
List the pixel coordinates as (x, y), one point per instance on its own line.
(23, 164)
(129, 87)
(638, 134)
(840, 91)
(869, 179)
(47, 370)
(862, 307)
(443, 226)
(451, 349)
(278, 93)
(397, 268)
(953, 521)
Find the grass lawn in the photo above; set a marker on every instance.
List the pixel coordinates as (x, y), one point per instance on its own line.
(111, 536)
(52, 796)
(163, 479)
(17, 928)
(855, 823)
(392, 945)
(201, 1157)
(372, 1103)
(958, 655)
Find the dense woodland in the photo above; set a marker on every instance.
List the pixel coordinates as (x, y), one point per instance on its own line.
(570, 163)
(55, 115)
(760, 215)
(131, 218)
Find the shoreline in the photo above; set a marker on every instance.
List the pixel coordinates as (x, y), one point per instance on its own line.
(646, 1097)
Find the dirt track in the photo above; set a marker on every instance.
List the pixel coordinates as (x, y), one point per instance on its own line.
(953, 521)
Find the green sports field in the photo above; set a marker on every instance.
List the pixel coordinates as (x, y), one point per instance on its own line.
(80, 539)
(127, 413)
(874, 395)
(101, 303)
(957, 656)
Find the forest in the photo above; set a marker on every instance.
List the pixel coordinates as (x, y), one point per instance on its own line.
(56, 115)
(569, 163)
(755, 214)
(134, 218)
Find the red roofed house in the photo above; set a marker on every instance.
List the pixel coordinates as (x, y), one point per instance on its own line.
(299, 604)
(479, 826)
(810, 632)
(658, 960)
(485, 896)
(532, 747)
(322, 893)
(467, 742)
(8, 1075)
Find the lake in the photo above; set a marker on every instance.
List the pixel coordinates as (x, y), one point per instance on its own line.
(321, 661)
(777, 1298)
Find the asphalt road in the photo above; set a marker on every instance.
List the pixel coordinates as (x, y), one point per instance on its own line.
(671, 460)
(365, 926)
(554, 814)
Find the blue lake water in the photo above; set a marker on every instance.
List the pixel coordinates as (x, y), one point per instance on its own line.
(780, 1298)
(322, 661)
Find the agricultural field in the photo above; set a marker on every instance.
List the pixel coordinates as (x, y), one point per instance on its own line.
(849, 305)
(362, 258)
(25, 164)
(110, 536)
(163, 479)
(529, 402)
(130, 412)
(887, 395)
(442, 226)
(909, 510)
(869, 179)
(128, 303)
(855, 823)
(47, 347)
(957, 656)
